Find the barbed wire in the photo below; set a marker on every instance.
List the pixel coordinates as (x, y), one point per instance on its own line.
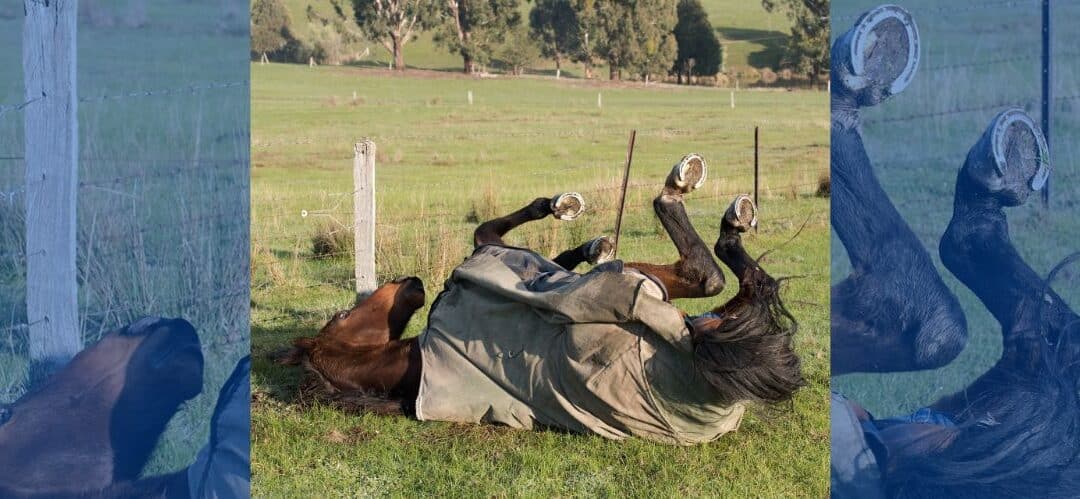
(187, 89)
(18, 107)
(946, 112)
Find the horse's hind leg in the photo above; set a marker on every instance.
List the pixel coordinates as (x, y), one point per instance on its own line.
(1003, 169)
(566, 206)
(695, 274)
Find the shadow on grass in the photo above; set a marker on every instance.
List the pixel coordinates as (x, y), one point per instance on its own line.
(273, 380)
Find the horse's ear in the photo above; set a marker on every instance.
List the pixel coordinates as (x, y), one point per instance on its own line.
(295, 356)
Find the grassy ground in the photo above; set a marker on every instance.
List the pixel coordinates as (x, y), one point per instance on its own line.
(163, 187)
(443, 164)
(918, 140)
(751, 37)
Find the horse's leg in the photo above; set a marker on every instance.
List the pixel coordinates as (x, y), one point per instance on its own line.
(977, 249)
(893, 313)
(596, 251)
(566, 206)
(695, 274)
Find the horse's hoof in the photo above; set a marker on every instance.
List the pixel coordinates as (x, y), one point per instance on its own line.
(601, 250)
(878, 57)
(688, 174)
(567, 206)
(1011, 159)
(742, 214)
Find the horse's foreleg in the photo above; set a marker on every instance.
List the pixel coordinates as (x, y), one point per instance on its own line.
(596, 251)
(566, 206)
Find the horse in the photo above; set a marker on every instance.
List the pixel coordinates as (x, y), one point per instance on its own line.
(90, 428)
(1015, 430)
(739, 352)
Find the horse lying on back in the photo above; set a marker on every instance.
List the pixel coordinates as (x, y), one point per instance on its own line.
(89, 429)
(521, 340)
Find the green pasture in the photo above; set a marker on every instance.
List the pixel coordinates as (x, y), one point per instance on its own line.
(443, 164)
(750, 35)
(163, 195)
(975, 63)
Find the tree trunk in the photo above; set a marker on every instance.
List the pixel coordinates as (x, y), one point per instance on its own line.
(558, 66)
(613, 71)
(470, 65)
(588, 70)
(399, 54)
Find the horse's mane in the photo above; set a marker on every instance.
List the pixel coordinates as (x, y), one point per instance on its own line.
(1019, 437)
(745, 351)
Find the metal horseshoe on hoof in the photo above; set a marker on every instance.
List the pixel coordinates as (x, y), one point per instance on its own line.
(863, 39)
(999, 140)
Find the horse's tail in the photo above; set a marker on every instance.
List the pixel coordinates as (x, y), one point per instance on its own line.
(744, 350)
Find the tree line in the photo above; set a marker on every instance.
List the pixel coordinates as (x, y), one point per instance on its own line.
(635, 38)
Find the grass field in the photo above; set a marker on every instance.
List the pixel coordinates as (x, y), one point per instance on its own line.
(750, 35)
(163, 188)
(442, 163)
(977, 60)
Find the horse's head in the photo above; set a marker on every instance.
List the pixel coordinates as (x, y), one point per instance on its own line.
(376, 319)
(372, 323)
(97, 420)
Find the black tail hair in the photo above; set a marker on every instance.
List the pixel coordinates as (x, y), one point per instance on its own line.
(746, 353)
(1018, 438)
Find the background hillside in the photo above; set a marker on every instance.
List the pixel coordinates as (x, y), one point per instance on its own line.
(751, 37)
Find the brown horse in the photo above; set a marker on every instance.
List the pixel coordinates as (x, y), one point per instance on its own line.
(90, 428)
(742, 348)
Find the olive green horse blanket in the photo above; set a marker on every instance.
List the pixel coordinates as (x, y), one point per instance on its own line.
(515, 339)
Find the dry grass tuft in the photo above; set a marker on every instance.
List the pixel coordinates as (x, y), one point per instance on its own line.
(331, 240)
(824, 186)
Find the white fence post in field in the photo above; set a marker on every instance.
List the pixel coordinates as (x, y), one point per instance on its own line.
(364, 215)
(52, 164)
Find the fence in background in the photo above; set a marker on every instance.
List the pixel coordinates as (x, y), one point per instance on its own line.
(446, 233)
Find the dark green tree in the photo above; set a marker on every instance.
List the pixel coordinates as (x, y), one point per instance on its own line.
(586, 33)
(699, 50)
(554, 25)
(269, 27)
(475, 28)
(394, 23)
(519, 51)
(807, 50)
(636, 35)
(657, 49)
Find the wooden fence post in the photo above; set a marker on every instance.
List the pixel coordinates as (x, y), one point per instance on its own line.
(52, 164)
(364, 215)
